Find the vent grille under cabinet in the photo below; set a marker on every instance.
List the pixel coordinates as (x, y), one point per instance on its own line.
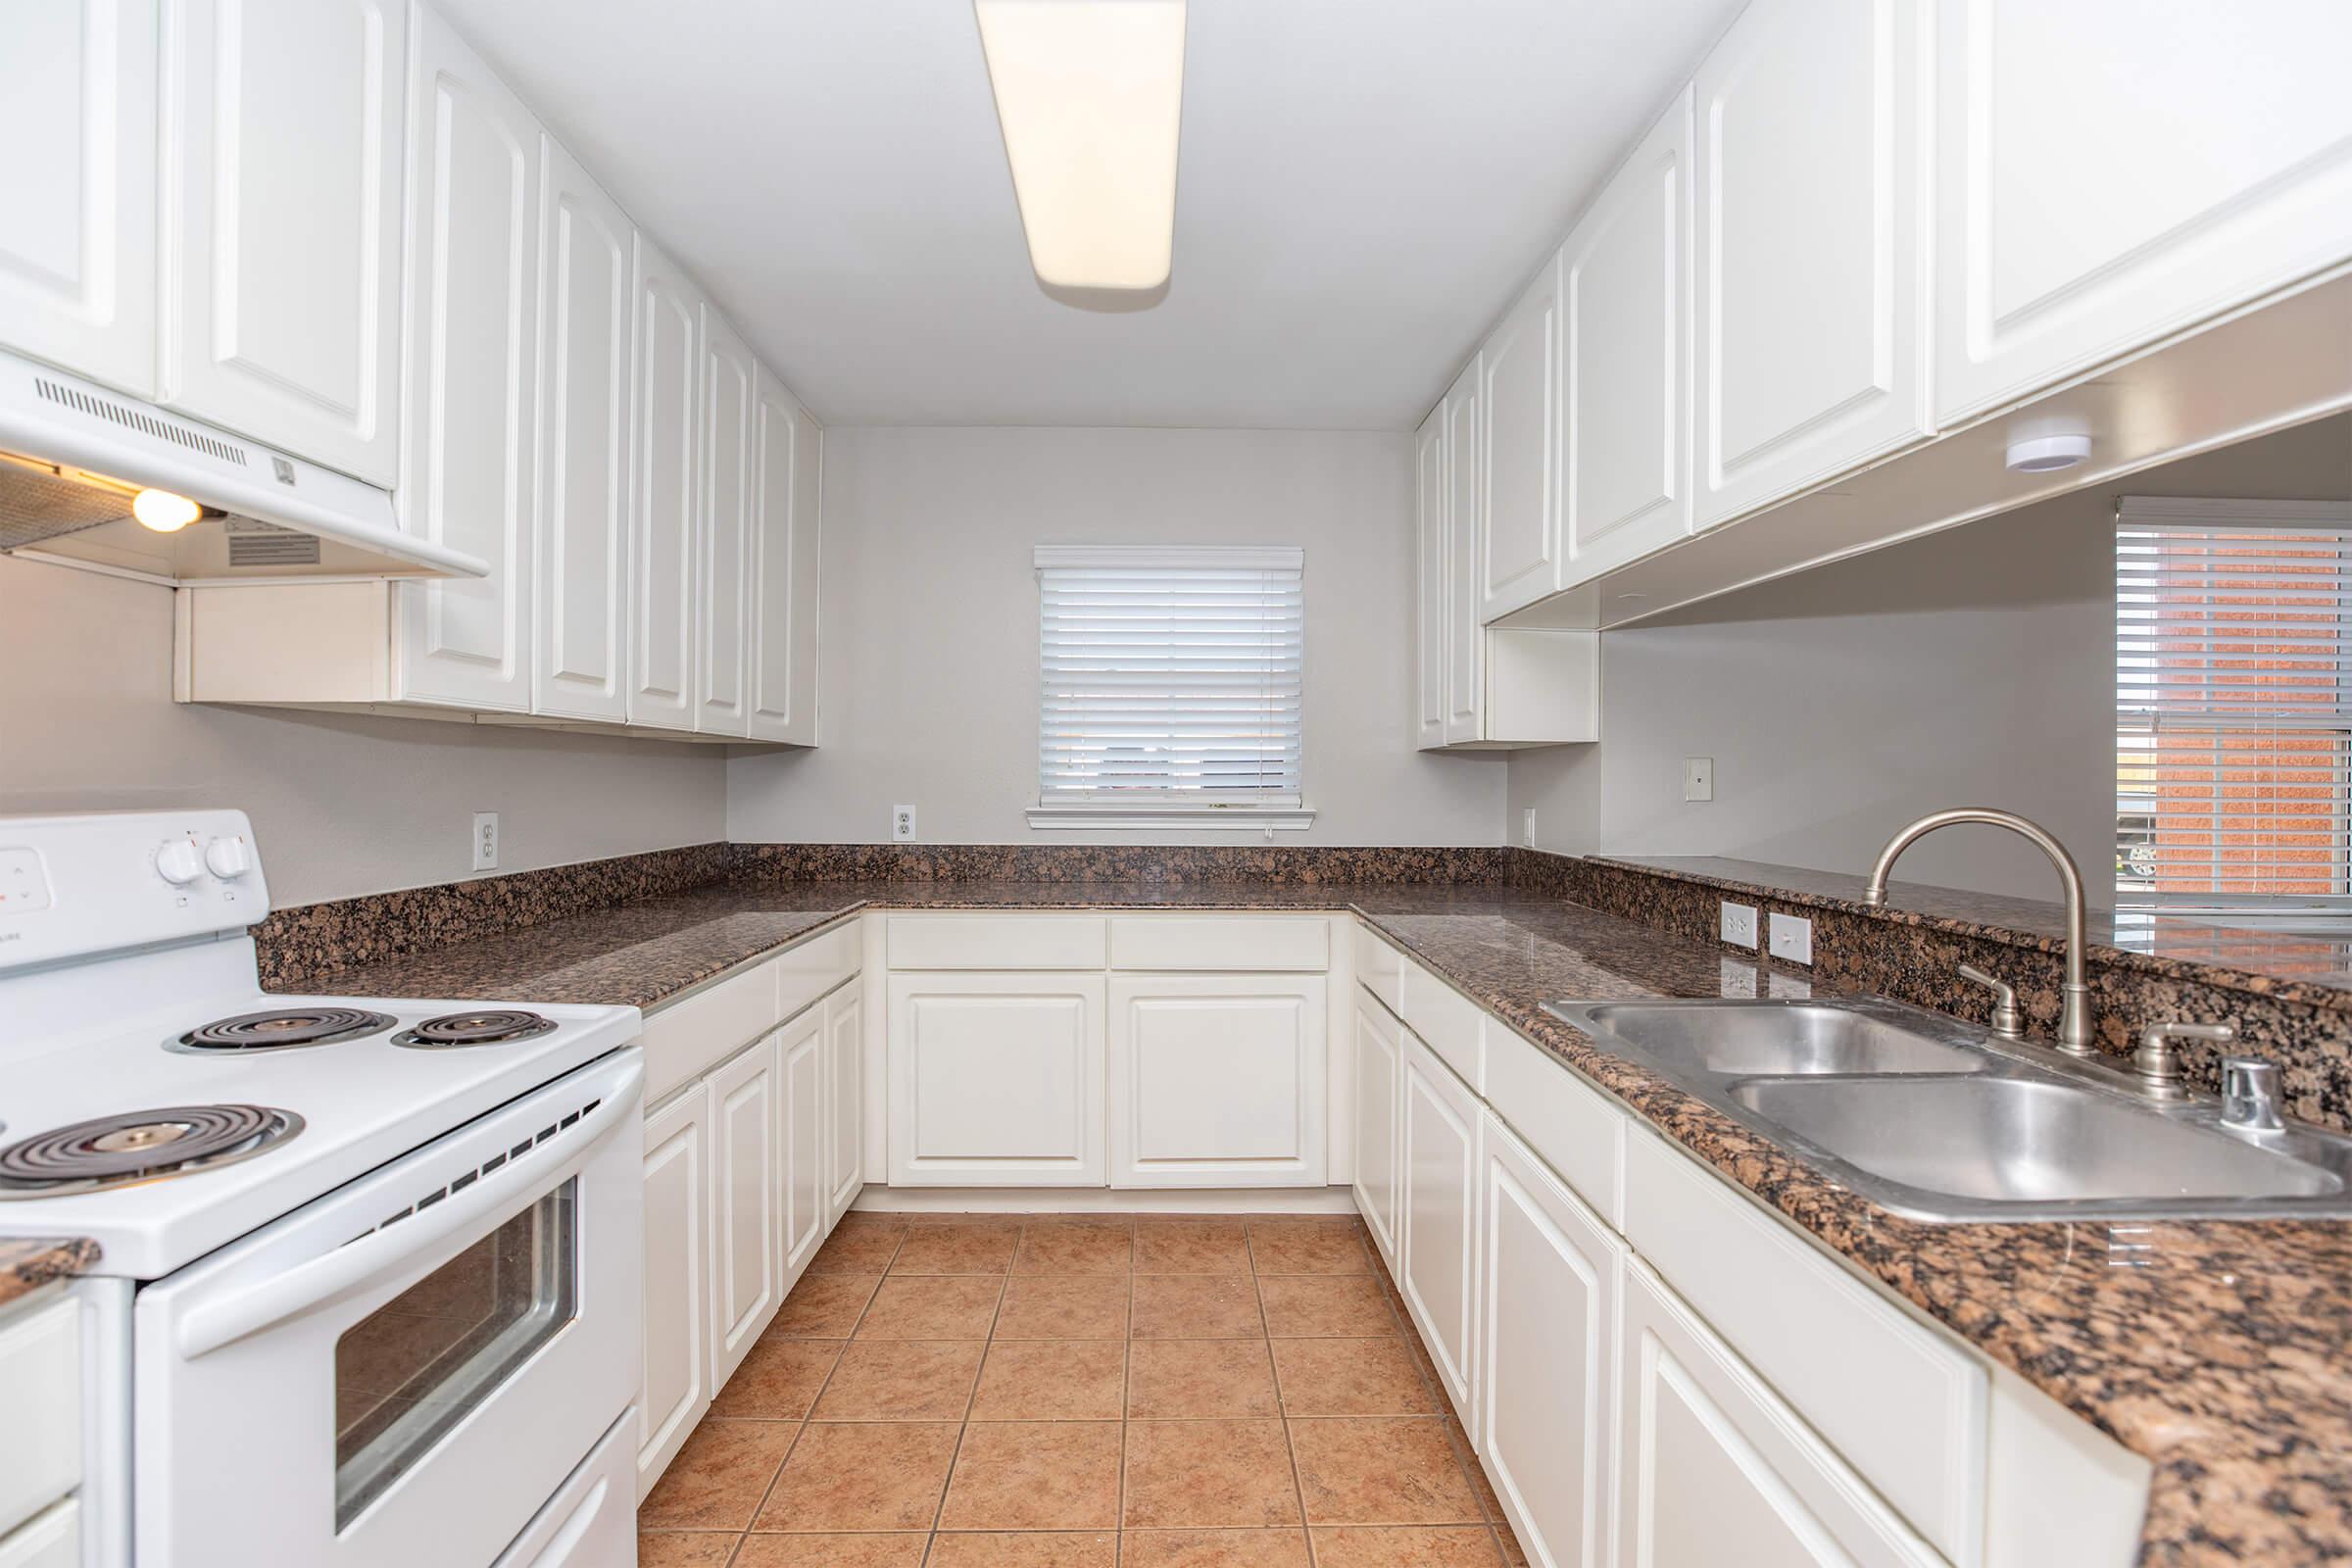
(254, 542)
(465, 1179)
(144, 423)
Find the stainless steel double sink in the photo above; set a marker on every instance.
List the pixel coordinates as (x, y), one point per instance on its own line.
(1938, 1121)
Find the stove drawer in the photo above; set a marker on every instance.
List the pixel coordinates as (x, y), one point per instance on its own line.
(41, 1390)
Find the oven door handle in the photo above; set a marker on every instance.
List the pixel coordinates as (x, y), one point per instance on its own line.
(207, 1326)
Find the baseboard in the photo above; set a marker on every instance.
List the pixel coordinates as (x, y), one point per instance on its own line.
(880, 1199)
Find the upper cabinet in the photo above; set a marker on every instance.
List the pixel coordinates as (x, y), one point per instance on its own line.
(787, 462)
(724, 554)
(78, 95)
(1463, 644)
(281, 222)
(668, 461)
(2108, 172)
(1429, 596)
(1812, 263)
(1518, 495)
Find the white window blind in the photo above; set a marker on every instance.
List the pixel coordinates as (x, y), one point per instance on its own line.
(1170, 677)
(2233, 705)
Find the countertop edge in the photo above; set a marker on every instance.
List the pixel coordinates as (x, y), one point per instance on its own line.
(27, 1263)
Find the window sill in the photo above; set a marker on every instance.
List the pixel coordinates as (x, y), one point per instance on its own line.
(1161, 816)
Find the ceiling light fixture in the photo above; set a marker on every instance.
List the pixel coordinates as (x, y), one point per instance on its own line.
(163, 511)
(1090, 94)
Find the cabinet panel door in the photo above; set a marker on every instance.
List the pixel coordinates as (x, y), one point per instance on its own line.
(677, 1273)
(1465, 637)
(801, 1048)
(580, 613)
(1428, 584)
(471, 382)
(723, 558)
(784, 544)
(996, 1080)
(748, 1127)
(665, 421)
(1437, 1155)
(1813, 267)
(1550, 1279)
(281, 232)
(1379, 1060)
(845, 1094)
(1519, 517)
(2108, 172)
(1217, 1079)
(1625, 420)
(78, 82)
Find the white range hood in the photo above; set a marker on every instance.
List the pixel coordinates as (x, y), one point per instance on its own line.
(72, 453)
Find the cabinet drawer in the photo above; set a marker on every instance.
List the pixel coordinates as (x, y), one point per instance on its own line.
(1900, 1405)
(1380, 968)
(41, 1390)
(998, 941)
(1447, 1021)
(1231, 944)
(688, 1037)
(1571, 1126)
(50, 1539)
(810, 969)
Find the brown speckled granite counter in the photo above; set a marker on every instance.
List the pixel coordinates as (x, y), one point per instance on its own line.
(2218, 1351)
(27, 1266)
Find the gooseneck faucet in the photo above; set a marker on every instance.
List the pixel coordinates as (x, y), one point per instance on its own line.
(2074, 1022)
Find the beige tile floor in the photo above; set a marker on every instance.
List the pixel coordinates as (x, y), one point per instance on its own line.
(1078, 1392)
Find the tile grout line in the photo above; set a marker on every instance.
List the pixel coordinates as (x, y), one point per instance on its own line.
(1282, 1403)
(1393, 1297)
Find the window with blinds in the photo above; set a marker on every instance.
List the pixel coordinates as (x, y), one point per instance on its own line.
(1170, 677)
(2233, 705)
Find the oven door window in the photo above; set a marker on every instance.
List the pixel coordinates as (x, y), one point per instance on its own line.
(417, 1365)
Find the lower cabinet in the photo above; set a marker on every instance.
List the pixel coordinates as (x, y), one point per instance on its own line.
(845, 1094)
(747, 1201)
(806, 1118)
(677, 1274)
(1217, 1079)
(996, 1079)
(1437, 1155)
(1378, 1061)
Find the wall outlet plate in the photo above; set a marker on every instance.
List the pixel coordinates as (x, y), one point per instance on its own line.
(1526, 826)
(485, 841)
(1792, 938)
(1738, 924)
(1699, 778)
(901, 824)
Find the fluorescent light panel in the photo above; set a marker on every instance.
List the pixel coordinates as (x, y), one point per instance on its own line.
(1090, 94)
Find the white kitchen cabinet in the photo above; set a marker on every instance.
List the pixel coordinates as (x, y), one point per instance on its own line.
(1428, 584)
(1217, 1079)
(579, 613)
(1549, 1277)
(786, 455)
(996, 1079)
(1625, 420)
(1465, 687)
(1520, 551)
(77, 232)
(844, 1095)
(2110, 171)
(51, 1538)
(666, 468)
(1812, 297)
(723, 549)
(1437, 1160)
(748, 1133)
(470, 386)
(281, 227)
(1379, 1066)
(677, 1269)
(803, 1115)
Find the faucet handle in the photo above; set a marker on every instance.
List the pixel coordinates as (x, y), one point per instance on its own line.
(2159, 1064)
(2250, 1094)
(2004, 1001)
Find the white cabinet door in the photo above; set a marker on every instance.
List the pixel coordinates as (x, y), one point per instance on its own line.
(1625, 420)
(1812, 296)
(677, 1280)
(845, 1097)
(1217, 1079)
(1379, 1063)
(746, 1219)
(281, 224)
(801, 1048)
(1438, 1157)
(1519, 516)
(1549, 1278)
(77, 91)
(2108, 172)
(1717, 1469)
(1429, 582)
(665, 421)
(784, 542)
(996, 1080)
(1465, 639)
(580, 616)
(724, 556)
(471, 386)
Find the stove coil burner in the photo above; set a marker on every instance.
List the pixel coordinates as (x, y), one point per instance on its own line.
(284, 1028)
(493, 1026)
(139, 1146)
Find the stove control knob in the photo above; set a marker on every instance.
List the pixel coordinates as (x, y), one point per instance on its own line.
(228, 858)
(178, 863)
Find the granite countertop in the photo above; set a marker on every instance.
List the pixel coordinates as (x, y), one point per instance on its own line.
(2217, 1350)
(25, 1265)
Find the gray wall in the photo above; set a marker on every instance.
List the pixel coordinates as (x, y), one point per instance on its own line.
(929, 680)
(1972, 666)
(341, 805)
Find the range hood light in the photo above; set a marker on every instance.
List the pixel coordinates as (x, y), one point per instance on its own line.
(164, 511)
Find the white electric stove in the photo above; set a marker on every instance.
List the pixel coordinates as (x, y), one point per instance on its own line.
(368, 1283)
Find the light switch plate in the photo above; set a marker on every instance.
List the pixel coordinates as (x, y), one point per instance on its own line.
(1792, 938)
(485, 841)
(1738, 924)
(1526, 826)
(901, 824)
(1699, 778)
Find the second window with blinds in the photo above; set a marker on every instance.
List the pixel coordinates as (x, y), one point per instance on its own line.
(1169, 687)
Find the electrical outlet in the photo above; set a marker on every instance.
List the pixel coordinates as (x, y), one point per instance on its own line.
(1738, 924)
(1699, 778)
(485, 841)
(901, 824)
(1526, 826)
(1792, 938)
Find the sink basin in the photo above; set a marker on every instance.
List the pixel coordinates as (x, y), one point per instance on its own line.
(2025, 1141)
(1739, 1039)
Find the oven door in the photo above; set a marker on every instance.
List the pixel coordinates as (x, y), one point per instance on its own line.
(404, 1370)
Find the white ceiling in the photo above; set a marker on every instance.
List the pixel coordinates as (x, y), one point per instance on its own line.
(1364, 184)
